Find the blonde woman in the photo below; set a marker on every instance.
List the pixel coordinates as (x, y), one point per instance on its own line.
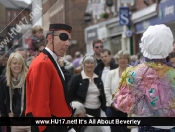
(112, 82)
(14, 89)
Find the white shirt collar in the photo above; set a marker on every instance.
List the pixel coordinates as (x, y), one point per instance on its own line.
(55, 58)
(52, 54)
(84, 76)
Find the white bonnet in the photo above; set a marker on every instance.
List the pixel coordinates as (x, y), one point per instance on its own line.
(157, 42)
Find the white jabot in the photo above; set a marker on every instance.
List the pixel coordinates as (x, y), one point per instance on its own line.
(55, 58)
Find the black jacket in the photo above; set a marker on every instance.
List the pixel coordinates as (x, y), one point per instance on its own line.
(78, 88)
(5, 100)
(3, 108)
(67, 75)
(99, 68)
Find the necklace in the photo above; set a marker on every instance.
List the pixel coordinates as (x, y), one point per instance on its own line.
(120, 73)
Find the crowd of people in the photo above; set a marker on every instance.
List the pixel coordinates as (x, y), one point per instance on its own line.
(44, 82)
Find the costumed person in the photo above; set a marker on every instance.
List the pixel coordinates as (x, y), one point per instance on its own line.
(46, 93)
(148, 89)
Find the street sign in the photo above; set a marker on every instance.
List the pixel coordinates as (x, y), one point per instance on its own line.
(128, 33)
(124, 17)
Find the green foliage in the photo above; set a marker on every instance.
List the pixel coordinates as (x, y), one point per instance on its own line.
(104, 15)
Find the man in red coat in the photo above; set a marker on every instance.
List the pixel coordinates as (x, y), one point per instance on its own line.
(46, 92)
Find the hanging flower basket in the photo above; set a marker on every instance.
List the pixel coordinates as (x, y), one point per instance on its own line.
(104, 15)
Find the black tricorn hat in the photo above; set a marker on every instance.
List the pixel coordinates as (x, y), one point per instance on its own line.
(56, 27)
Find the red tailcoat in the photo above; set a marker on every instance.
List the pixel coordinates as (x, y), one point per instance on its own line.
(46, 91)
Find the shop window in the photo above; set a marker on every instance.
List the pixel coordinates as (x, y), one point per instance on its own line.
(15, 17)
(9, 15)
(115, 44)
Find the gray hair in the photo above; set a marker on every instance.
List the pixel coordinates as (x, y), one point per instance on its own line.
(133, 58)
(122, 53)
(88, 58)
(79, 108)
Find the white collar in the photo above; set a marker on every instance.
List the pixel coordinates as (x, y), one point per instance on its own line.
(84, 76)
(55, 58)
(52, 54)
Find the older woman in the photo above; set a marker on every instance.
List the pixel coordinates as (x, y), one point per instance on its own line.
(14, 89)
(148, 89)
(112, 82)
(87, 88)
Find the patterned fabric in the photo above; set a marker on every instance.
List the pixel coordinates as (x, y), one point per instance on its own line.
(33, 42)
(152, 129)
(147, 90)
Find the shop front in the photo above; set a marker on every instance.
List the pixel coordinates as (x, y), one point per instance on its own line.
(115, 37)
(111, 33)
(142, 16)
(90, 35)
(166, 15)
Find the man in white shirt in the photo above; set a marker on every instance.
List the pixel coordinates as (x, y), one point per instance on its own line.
(106, 65)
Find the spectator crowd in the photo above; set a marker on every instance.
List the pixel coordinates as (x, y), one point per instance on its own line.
(96, 83)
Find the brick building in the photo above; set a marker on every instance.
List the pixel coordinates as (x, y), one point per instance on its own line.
(13, 13)
(145, 9)
(107, 28)
(70, 12)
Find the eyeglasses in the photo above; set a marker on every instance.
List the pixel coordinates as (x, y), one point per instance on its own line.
(97, 47)
(63, 36)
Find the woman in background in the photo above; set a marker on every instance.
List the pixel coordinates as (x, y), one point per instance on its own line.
(87, 88)
(14, 89)
(112, 82)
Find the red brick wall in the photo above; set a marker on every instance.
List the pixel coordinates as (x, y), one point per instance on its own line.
(74, 15)
(140, 4)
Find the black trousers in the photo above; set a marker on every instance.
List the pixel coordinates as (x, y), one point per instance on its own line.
(93, 112)
(50, 129)
(111, 112)
(153, 129)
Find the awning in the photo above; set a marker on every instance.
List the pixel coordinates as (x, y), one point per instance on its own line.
(144, 14)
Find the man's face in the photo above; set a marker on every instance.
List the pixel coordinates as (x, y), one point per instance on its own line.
(106, 58)
(173, 47)
(23, 54)
(172, 60)
(98, 47)
(61, 46)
